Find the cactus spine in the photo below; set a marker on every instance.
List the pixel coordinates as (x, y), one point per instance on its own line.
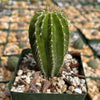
(49, 38)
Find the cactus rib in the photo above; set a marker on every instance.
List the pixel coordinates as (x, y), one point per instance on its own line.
(49, 38)
(57, 45)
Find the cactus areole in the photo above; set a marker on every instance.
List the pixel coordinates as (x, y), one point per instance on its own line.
(49, 38)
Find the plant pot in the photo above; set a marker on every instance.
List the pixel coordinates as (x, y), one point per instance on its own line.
(41, 96)
(34, 1)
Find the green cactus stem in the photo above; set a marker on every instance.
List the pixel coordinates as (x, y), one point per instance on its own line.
(4, 1)
(34, 1)
(78, 44)
(49, 38)
(93, 63)
(12, 63)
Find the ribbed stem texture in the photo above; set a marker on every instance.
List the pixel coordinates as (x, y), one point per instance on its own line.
(49, 38)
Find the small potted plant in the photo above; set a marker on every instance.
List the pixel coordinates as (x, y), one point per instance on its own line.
(34, 1)
(47, 71)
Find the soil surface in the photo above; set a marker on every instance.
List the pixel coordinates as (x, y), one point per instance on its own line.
(30, 79)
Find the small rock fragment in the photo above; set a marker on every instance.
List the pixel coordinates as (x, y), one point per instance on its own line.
(83, 81)
(74, 61)
(84, 89)
(74, 65)
(77, 90)
(48, 91)
(61, 83)
(15, 83)
(36, 75)
(33, 89)
(80, 76)
(67, 57)
(75, 70)
(52, 88)
(68, 64)
(23, 76)
(68, 82)
(29, 74)
(68, 68)
(28, 80)
(38, 84)
(59, 90)
(69, 92)
(20, 72)
(46, 86)
(77, 80)
(17, 78)
(13, 88)
(71, 88)
(63, 89)
(54, 83)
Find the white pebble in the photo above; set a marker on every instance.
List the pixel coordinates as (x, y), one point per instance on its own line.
(28, 80)
(71, 88)
(74, 61)
(13, 89)
(33, 72)
(71, 72)
(38, 84)
(84, 89)
(17, 78)
(77, 90)
(29, 74)
(82, 81)
(23, 76)
(15, 83)
(61, 83)
(68, 56)
(20, 72)
(48, 91)
(68, 64)
(77, 80)
(75, 70)
(68, 68)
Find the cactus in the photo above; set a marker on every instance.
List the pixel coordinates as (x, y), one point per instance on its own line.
(49, 38)
(4, 1)
(1, 9)
(34, 1)
(12, 62)
(22, 44)
(93, 63)
(78, 44)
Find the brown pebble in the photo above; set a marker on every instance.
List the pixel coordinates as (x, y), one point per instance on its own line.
(52, 88)
(80, 76)
(38, 87)
(36, 75)
(46, 86)
(27, 88)
(33, 89)
(26, 85)
(63, 68)
(68, 82)
(74, 65)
